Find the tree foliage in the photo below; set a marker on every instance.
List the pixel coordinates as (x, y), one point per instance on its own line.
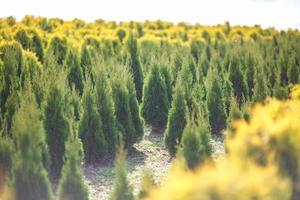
(71, 184)
(215, 104)
(135, 66)
(91, 128)
(195, 146)
(176, 121)
(56, 125)
(155, 104)
(29, 174)
(122, 190)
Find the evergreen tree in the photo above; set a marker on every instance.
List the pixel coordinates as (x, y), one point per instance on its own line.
(155, 100)
(121, 33)
(56, 126)
(227, 28)
(279, 91)
(186, 80)
(293, 70)
(32, 72)
(58, 48)
(249, 75)
(6, 156)
(11, 106)
(234, 112)
(75, 76)
(127, 111)
(11, 70)
(195, 50)
(91, 128)
(135, 66)
(135, 111)
(192, 69)
(37, 45)
(121, 189)
(176, 121)
(71, 184)
(237, 79)
(106, 109)
(75, 103)
(86, 58)
(206, 36)
(227, 88)
(195, 145)
(165, 73)
(122, 111)
(22, 37)
(283, 67)
(215, 103)
(29, 175)
(261, 90)
(204, 64)
(90, 50)
(177, 66)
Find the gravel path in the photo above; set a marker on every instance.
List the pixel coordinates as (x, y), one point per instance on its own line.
(148, 154)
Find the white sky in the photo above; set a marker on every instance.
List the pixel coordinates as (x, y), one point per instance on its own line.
(281, 14)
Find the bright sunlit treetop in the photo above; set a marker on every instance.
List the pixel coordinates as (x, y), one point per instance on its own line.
(281, 14)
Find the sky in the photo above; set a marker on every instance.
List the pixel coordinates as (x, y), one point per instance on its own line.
(281, 14)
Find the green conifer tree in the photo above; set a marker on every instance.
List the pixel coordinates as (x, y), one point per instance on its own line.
(91, 128)
(121, 189)
(90, 50)
(279, 91)
(215, 103)
(195, 49)
(106, 110)
(293, 70)
(56, 125)
(166, 74)
(58, 48)
(23, 38)
(127, 112)
(30, 178)
(71, 184)
(135, 66)
(261, 90)
(176, 121)
(234, 112)
(6, 157)
(249, 74)
(195, 145)
(37, 45)
(122, 110)
(138, 122)
(227, 88)
(155, 103)
(76, 105)
(121, 33)
(11, 70)
(227, 28)
(237, 79)
(75, 76)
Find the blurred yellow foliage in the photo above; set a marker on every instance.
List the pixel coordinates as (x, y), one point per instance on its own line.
(262, 162)
(227, 180)
(75, 30)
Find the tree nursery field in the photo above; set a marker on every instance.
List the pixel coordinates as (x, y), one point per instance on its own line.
(148, 110)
